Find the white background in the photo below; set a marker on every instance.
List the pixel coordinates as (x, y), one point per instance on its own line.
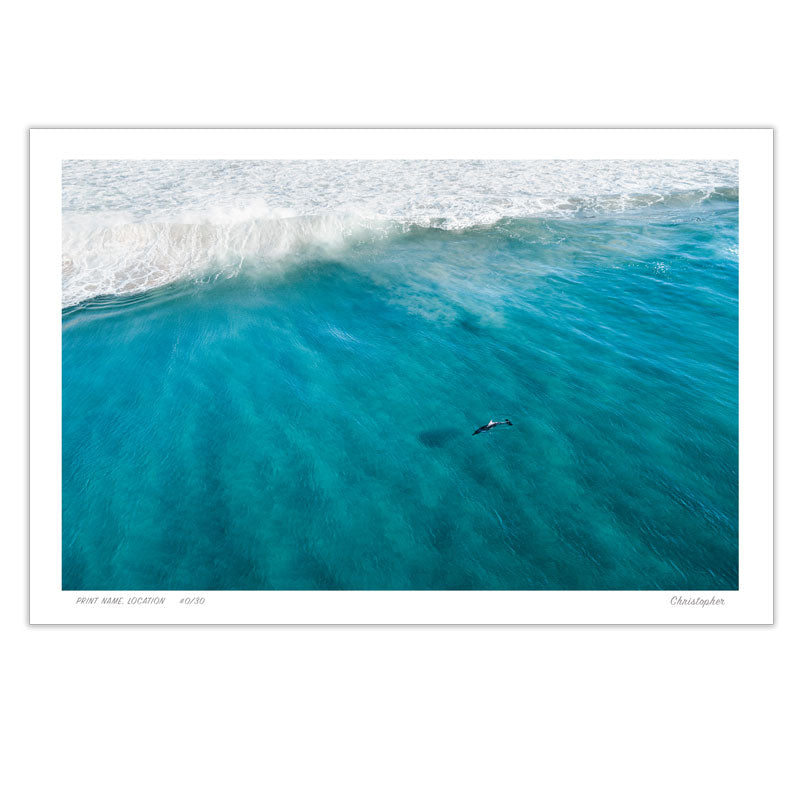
(305, 713)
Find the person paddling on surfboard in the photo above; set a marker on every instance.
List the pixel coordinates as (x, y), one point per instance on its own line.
(491, 424)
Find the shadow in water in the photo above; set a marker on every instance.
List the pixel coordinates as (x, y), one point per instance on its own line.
(439, 437)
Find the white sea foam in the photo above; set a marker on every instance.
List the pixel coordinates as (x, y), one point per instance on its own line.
(134, 225)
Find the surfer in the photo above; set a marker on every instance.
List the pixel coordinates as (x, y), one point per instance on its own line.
(491, 424)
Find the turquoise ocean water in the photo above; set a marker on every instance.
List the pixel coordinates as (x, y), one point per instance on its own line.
(298, 414)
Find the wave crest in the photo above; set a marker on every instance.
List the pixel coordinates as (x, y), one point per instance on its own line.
(117, 255)
(135, 256)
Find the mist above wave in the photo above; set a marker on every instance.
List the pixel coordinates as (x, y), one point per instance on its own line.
(130, 256)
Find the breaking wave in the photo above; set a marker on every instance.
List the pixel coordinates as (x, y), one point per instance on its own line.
(133, 226)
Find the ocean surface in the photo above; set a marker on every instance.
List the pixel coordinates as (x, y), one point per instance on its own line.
(272, 372)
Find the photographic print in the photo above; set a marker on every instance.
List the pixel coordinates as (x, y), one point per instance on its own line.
(400, 374)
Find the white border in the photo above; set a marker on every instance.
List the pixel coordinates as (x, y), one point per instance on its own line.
(752, 603)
